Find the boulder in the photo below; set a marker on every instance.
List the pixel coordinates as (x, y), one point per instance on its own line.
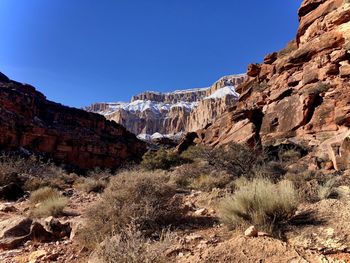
(11, 192)
(14, 232)
(58, 229)
(253, 70)
(251, 231)
(270, 58)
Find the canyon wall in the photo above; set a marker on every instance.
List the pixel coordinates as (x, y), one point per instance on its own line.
(301, 93)
(154, 113)
(86, 140)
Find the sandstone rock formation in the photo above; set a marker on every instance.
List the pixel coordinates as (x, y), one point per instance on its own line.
(28, 120)
(301, 92)
(174, 112)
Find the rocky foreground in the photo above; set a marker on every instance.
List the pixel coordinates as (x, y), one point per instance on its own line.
(203, 239)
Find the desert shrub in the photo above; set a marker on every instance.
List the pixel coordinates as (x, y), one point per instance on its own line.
(236, 159)
(61, 182)
(327, 190)
(184, 175)
(208, 182)
(261, 203)
(144, 198)
(313, 185)
(130, 246)
(33, 173)
(90, 185)
(52, 206)
(96, 181)
(162, 159)
(271, 170)
(47, 202)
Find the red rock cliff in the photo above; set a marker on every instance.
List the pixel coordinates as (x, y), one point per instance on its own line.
(301, 92)
(73, 136)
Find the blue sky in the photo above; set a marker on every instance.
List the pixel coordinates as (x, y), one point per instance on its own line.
(82, 51)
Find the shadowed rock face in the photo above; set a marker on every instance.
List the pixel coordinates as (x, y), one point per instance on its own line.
(65, 134)
(301, 92)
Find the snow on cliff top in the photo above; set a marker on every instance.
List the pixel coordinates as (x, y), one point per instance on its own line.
(143, 105)
(220, 93)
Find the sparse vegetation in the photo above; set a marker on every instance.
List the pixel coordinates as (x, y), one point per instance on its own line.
(43, 194)
(261, 203)
(52, 206)
(236, 159)
(47, 202)
(144, 198)
(33, 173)
(96, 185)
(162, 159)
(130, 246)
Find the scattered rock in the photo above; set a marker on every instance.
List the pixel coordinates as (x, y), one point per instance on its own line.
(251, 231)
(57, 228)
(201, 212)
(7, 208)
(37, 256)
(14, 232)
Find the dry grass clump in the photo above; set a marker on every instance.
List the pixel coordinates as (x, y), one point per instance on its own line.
(47, 202)
(162, 159)
(208, 182)
(261, 203)
(90, 185)
(130, 246)
(96, 181)
(50, 207)
(43, 194)
(144, 198)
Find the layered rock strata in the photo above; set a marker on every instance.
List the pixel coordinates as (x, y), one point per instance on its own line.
(30, 121)
(301, 92)
(157, 114)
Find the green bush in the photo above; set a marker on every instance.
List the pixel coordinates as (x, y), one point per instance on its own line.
(261, 203)
(162, 159)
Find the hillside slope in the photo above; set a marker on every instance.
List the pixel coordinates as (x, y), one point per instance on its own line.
(29, 121)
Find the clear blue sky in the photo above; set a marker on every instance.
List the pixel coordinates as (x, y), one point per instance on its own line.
(82, 51)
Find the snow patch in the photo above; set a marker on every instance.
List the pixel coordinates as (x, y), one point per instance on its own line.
(220, 93)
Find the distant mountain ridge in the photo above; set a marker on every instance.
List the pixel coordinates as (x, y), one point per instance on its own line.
(172, 113)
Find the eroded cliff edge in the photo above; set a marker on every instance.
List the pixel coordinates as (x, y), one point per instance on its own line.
(86, 140)
(301, 93)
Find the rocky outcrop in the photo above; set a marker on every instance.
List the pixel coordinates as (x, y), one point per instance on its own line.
(28, 120)
(175, 112)
(301, 92)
